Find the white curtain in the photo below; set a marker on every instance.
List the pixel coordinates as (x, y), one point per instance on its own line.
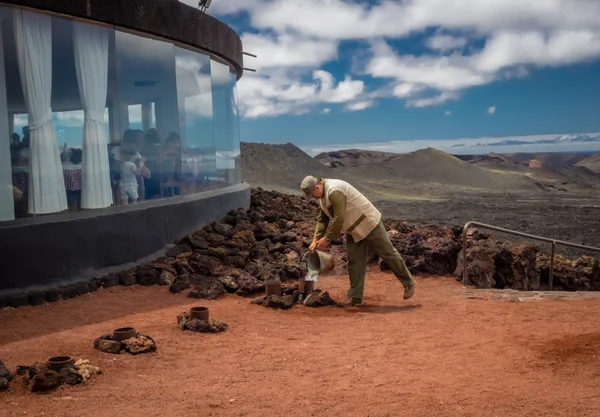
(91, 64)
(33, 36)
(7, 206)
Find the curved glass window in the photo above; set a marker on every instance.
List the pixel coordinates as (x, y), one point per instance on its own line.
(94, 117)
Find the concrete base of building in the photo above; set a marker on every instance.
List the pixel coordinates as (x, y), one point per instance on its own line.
(74, 249)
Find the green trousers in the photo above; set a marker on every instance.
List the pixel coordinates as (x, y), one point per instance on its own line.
(379, 242)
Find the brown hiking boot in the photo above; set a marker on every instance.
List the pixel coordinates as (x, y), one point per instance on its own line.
(350, 303)
(410, 290)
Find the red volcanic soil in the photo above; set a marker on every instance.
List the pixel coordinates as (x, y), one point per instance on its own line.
(433, 355)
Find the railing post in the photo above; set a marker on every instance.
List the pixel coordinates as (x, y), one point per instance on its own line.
(465, 252)
(551, 275)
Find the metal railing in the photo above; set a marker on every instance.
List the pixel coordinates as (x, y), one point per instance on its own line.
(554, 242)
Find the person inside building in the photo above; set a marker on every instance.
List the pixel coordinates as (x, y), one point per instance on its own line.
(344, 209)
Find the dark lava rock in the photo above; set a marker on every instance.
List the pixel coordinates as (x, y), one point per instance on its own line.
(18, 300)
(4, 372)
(3, 384)
(4, 301)
(52, 296)
(67, 292)
(480, 268)
(494, 264)
(248, 284)
(318, 298)
(82, 288)
(222, 229)
(284, 302)
(208, 288)
(147, 276)
(70, 375)
(107, 344)
(40, 377)
(37, 298)
(181, 283)
(427, 249)
(94, 285)
(110, 281)
(127, 279)
(166, 278)
(184, 322)
(581, 274)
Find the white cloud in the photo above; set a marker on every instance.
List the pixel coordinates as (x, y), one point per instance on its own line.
(339, 19)
(286, 50)
(445, 42)
(447, 113)
(360, 105)
(475, 146)
(491, 110)
(475, 42)
(326, 110)
(280, 93)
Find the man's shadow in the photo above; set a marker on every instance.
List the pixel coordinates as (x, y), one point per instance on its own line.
(383, 309)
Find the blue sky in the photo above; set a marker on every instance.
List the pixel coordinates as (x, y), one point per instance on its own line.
(416, 73)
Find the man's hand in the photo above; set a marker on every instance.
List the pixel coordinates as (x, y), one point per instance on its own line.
(313, 245)
(322, 243)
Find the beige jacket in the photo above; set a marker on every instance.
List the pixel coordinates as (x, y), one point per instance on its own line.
(361, 216)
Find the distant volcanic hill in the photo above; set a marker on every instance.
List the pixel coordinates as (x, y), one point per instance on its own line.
(591, 162)
(353, 157)
(278, 167)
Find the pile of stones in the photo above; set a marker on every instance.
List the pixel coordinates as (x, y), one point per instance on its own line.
(134, 345)
(186, 322)
(41, 377)
(267, 241)
(291, 296)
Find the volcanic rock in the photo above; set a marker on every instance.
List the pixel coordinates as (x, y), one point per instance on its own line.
(511, 265)
(248, 284)
(480, 268)
(581, 274)
(85, 370)
(134, 345)
(184, 322)
(4, 372)
(283, 302)
(426, 249)
(37, 298)
(229, 283)
(318, 298)
(146, 275)
(70, 375)
(5, 377)
(110, 281)
(39, 377)
(107, 344)
(166, 278)
(139, 344)
(222, 229)
(209, 288)
(181, 283)
(127, 279)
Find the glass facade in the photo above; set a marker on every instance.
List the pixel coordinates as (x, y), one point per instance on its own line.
(95, 117)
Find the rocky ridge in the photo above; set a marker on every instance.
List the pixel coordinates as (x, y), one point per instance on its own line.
(267, 241)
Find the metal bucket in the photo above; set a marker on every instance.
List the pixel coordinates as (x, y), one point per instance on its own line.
(319, 262)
